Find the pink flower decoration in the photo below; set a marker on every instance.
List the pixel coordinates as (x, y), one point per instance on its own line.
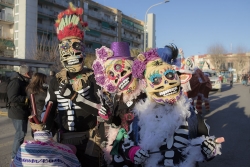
(100, 80)
(97, 67)
(151, 54)
(138, 69)
(102, 53)
(111, 88)
(139, 66)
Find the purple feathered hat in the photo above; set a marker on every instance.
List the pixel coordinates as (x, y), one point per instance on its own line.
(120, 50)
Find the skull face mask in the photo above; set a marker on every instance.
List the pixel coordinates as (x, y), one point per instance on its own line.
(119, 74)
(71, 54)
(163, 83)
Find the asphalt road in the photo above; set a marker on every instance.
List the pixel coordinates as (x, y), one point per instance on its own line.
(228, 118)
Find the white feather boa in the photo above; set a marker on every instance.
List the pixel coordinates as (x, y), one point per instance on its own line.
(158, 122)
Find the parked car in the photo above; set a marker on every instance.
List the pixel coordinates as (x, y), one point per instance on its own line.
(214, 79)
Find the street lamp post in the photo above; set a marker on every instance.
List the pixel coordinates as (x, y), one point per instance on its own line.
(145, 23)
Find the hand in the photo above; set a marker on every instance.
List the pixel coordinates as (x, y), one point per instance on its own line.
(105, 98)
(66, 90)
(176, 144)
(84, 92)
(140, 156)
(137, 155)
(208, 148)
(103, 112)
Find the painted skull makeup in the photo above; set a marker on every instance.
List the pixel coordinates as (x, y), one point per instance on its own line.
(163, 83)
(71, 54)
(119, 73)
(113, 69)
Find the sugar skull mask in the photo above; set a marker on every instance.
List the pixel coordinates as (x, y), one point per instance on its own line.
(119, 74)
(72, 54)
(163, 83)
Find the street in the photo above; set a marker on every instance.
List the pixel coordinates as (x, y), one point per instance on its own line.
(228, 118)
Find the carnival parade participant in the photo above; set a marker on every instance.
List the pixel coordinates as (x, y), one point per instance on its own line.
(74, 92)
(195, 84)
(43, 151)
(113, 72)
(166, 131)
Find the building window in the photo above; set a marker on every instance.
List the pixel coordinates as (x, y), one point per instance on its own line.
(16, 43)
(16, 35)
(16, 2)
(16, 17)
(16, 26)
(16, 51)
(40, 21)
(230, 65)
(17, 9)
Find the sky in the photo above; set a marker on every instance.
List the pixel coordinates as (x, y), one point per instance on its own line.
(194, 25)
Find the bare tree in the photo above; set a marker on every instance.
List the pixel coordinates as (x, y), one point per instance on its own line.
(217, 56)
(241, 60)
(47, 50)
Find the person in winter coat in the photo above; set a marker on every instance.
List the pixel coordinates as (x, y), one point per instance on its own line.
(18, 101)
(38, 87)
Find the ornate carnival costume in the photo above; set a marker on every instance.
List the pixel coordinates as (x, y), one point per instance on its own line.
(166, 130)
(113, 72)
(195, 83)
(74, 91)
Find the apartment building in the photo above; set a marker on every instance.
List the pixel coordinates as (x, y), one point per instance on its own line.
(6, 27)
(34, 20)
(108, 25)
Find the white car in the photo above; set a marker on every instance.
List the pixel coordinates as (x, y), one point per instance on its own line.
(215, 80)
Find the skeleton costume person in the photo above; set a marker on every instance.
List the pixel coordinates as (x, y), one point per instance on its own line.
(166, 130)
(74, 92)
(113, 72)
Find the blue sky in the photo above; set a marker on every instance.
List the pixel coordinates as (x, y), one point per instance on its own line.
(194, 25)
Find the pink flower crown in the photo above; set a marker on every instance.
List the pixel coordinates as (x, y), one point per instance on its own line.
(139, 65)
(102, 54)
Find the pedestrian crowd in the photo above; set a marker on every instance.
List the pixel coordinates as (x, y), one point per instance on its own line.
(125, 111)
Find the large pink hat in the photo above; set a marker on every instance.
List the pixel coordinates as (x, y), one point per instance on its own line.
(121, 50)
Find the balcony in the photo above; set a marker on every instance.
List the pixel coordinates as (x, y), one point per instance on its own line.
(6, 18)
(94, 14)
(46, 12)
(59, 3)
(46, 27)
(102, 30)
(7, 3)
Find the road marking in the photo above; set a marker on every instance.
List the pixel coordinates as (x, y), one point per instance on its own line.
(3, 113)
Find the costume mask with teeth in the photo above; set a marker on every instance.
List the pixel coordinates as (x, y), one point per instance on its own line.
(113, 69)
(70, 32)
(119, 73)
(71, 54)
(163, 83)
(156, 67)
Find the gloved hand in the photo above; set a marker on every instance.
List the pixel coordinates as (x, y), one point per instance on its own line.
(66, 90)
(103, 108)
(84, 92)
(208, 148)
(137, 155)
(176, 144)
